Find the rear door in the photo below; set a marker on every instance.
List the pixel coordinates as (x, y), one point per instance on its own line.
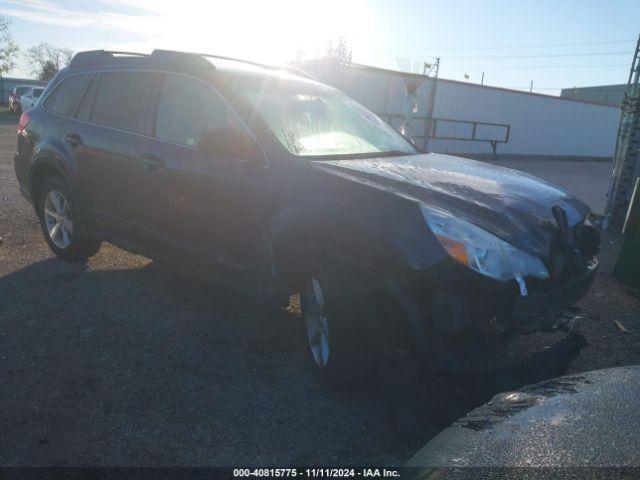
(104, 136)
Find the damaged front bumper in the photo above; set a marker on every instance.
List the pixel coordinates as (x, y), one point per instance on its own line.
(539, 311)
(448, 307)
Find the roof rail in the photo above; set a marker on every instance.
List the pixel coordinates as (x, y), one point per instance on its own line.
(93, 57)
(97, 57)
(291, 70)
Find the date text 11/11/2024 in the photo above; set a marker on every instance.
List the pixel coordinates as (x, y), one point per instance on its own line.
(316, 472)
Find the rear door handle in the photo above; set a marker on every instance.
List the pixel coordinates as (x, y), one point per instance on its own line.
(73, 139)
(152, 162)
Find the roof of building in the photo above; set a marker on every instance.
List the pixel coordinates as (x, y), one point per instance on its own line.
(474, 85)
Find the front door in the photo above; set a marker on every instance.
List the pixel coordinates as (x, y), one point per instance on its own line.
(204, 209)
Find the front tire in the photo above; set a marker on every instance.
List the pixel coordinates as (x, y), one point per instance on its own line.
(337, 307)
(60, 223)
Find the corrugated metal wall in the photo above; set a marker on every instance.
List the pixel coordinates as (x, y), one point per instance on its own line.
(540, 124)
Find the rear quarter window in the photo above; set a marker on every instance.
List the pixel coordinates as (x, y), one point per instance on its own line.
(65, 94)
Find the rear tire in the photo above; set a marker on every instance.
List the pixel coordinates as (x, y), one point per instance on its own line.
(60, 224)
(338, 311)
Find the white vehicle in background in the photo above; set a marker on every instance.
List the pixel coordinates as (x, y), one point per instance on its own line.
(14, 98)
(30, 98)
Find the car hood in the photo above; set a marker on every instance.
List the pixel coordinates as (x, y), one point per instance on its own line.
(510, 204)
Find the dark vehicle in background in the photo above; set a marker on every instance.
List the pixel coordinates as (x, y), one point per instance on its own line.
(14, 98)
(284, 186)
(584, 422)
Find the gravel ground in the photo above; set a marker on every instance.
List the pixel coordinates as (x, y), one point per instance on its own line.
(123, 361)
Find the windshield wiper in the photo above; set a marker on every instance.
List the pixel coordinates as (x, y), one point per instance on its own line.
(395, 153)
(359, 156)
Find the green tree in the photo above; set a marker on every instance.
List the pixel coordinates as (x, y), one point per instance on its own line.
(8, 47)
(45, 60)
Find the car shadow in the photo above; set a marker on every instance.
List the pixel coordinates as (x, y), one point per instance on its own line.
(149, 364)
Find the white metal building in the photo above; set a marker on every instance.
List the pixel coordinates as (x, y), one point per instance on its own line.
(532, 124)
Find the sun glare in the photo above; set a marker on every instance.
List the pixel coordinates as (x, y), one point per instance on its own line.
(274, 32)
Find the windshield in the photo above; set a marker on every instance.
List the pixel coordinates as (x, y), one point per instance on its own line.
(311, 119)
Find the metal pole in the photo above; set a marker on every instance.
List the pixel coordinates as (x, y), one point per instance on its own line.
(482, 79)
(531, 87)
(432, 102)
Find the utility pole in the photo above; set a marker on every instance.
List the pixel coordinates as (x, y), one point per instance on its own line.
(626, 160)
(432, 102)
(341, 53)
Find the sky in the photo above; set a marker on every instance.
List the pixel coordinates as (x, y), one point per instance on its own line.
(556, 44)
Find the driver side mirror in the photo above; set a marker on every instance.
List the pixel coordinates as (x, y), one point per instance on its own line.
(229, 143)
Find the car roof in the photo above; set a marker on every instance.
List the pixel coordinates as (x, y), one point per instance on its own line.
(181, 62)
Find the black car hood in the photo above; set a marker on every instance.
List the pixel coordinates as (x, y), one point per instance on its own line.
(510, 204)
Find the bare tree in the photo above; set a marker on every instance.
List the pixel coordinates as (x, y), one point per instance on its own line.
(45, 60)
(8, 47)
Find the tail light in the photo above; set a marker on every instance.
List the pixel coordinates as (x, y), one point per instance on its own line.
(24, 120)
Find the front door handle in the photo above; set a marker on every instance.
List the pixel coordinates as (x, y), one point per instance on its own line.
(73, 139)
(152, 162)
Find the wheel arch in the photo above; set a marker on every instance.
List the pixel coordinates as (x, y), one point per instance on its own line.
(311, 228)
(47, 165)
(387, 267)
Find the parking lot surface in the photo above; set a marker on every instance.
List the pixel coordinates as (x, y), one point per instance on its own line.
(124, 361)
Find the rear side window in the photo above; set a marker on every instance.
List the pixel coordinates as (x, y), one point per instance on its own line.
(64, 96)
(188, 107)
(122, 99)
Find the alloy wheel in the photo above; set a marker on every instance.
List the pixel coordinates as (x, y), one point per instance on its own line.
(58, 219)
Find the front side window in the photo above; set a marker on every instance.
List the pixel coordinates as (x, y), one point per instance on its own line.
(64, 96)
(311, 119)
(187, 108)
(121, 100)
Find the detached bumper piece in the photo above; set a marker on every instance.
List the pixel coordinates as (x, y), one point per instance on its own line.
(543, 311)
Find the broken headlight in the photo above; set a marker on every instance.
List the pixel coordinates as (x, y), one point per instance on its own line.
(480, 250)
